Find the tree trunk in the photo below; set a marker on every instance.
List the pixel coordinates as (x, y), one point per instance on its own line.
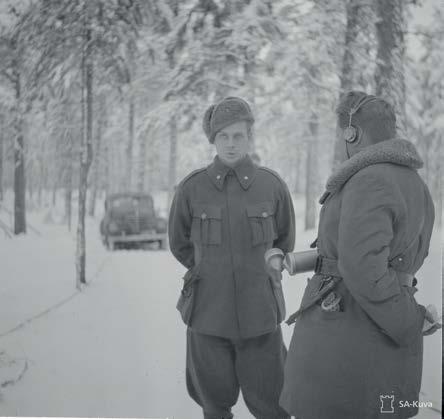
(173, 160)
(439, 209)
(296, 168)
(54, 194)
(39, 193)
(45, 184)
(106, 168)
(149, 173)
(389, 75)
(351, 33)
(311, 174)
(93, 198)
(96, 167)
(142, 162)
(437, 186)
(19, 167)
(85, 157)
(1, 157)
(31, 183)
(68, 156)
(129, 146)
(68, 195)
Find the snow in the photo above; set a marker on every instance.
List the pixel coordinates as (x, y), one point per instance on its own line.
(117, 348)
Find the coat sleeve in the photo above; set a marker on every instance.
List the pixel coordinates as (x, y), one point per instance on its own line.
(369, 210)
(285, 222)
(179, 228)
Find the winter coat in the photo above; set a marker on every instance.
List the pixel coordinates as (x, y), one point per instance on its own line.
(221, 223)
(376, 221)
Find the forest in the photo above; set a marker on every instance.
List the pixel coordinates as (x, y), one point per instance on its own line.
(100, 96)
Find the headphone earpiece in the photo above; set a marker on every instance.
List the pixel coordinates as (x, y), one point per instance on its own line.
(350, 134)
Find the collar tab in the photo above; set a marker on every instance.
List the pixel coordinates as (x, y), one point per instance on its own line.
(245, 172)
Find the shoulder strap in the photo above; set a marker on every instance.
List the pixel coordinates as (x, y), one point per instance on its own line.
(190, 175)
(275, 174)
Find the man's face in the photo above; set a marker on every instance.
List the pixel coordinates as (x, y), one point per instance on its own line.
(232, 143)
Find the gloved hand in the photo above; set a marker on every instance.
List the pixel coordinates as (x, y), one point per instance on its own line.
(431, 323)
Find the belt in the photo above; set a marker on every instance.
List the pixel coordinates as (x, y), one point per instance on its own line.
(329, 267)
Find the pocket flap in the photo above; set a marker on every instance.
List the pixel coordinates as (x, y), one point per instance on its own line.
(260, 210)
(204, 211)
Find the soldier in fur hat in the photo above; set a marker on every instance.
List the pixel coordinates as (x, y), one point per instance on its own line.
(222, 220)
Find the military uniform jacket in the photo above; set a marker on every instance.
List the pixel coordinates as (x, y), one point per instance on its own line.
(376, 221)
(221, 223)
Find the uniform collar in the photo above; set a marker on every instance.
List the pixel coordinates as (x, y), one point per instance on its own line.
(245, 172)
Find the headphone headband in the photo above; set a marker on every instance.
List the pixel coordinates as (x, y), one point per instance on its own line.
(364, 100)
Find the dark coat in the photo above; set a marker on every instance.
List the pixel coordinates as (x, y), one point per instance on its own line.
(376, 221)
(221, 223)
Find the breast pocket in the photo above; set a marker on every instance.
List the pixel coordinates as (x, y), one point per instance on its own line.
(206, 227)
(262, 223)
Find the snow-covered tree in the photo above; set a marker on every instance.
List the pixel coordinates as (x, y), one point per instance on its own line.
(14, 68)
(85, 36)
(425, 102)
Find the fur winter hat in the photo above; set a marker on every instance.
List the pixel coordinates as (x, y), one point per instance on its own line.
(226, 112)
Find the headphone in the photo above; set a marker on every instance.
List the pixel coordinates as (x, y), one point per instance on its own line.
(351, 133)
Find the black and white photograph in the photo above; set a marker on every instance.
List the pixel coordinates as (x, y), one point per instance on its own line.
(217, 209)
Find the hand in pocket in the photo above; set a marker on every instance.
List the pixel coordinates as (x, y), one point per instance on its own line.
(431, 321)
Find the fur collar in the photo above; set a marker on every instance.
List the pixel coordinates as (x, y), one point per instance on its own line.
(397, 151)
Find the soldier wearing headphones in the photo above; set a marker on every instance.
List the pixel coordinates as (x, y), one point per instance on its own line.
(359, 331)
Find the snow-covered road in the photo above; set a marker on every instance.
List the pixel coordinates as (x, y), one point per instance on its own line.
(115, 350)
(118, 348)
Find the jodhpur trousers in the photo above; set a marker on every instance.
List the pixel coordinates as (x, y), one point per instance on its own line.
(217, 368)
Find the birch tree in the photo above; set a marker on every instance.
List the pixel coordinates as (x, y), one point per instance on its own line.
(89, 33)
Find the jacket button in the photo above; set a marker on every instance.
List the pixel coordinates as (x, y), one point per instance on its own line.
(265, 214)
(218, 177)
(203, 216)
(246, 177)
(400, 259)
